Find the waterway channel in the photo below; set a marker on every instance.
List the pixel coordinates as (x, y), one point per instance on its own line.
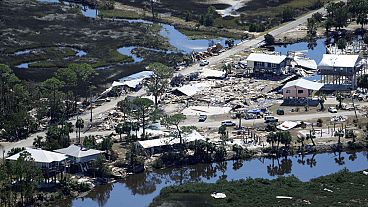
(140, 189)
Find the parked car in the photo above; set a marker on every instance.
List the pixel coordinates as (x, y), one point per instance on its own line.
(332, 109)
(228, 123)
(270, 119)
(280, 112)
(202, 118)
(347, 107)
(204, 63)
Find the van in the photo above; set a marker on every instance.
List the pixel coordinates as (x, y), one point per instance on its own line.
(270, 119)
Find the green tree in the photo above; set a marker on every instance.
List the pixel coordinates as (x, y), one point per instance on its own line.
(51, 89)
(362, 20)
(119, 129)
(15, 102)
(363, 81)
(328, 24)
(159, 81)
(271, 138)
(188, 16)
(143, 108)
(101, 170)
(90, 142)
(208, 18)
(77, 78)
(288, 14)
(312, 27)
(269, 39)
(285, 137)
(340, 97)
(365, 38)
(79, 124)
(223, 132)
(57, 136)
(175, 120)
(341, 44)
(26, 177)
(125, 106)
(321, 100)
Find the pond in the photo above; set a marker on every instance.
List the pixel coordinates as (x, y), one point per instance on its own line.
(313, 50)
(140, 189)
(78, 53)
(85, 9)
(177, 39)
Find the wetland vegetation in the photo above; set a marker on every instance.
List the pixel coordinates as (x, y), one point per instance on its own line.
(332, 190)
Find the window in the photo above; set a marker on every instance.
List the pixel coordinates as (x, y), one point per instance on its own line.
(288, 91)
(300, 91)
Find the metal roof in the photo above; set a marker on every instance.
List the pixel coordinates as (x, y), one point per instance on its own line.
(341, 61)
(266, 58)
(304, 84)
(41, 156)
(78, 151)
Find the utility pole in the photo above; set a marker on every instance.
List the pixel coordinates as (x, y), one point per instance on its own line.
(91, 101)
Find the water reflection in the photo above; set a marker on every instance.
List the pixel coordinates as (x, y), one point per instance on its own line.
(144, 183)
(101, 195)
(140, 189)
(282, 167)
(314, 48)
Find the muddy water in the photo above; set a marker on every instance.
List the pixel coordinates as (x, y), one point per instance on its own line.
(139, 190)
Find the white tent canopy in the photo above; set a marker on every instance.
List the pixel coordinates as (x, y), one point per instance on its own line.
(41, 156)
(287, 125)
(304, 84)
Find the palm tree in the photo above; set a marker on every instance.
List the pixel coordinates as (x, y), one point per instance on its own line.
(339, 98)
(322, 99)
(271, 138)
(79, 124)
(119, 129)
(311, 134)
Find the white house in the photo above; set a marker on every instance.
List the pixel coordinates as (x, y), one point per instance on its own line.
(340, 72)
(43, 159)
(79, 154)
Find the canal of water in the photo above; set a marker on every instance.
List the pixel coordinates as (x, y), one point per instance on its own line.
(140, 189)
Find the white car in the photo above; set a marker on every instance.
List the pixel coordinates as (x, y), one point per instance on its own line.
(332, 109)
(204, 63)
(228, 123)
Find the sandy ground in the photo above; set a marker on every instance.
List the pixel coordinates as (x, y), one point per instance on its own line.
(207, 110)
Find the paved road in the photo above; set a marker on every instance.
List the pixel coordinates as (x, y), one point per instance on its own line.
(214, 123)
(215, 60)
(105, 108)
